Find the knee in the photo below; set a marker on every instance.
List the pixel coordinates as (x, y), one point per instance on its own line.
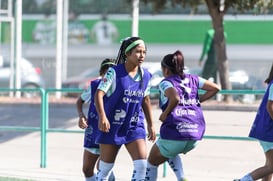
(88, 172)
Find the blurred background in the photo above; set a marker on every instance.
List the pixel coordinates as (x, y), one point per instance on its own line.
(95, 28)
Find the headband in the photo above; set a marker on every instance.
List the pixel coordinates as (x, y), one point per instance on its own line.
(107, 63)
(134, 44)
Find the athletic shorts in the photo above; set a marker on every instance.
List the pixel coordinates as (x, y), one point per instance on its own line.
(266, 145)
(95, 151)
(171, 148)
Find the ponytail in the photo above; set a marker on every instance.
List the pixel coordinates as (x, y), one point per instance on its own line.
(174, 62)
(178, 60)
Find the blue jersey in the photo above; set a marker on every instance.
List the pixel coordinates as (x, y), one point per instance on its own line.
(262, 127)
(91, 131)
(123, 105)
(186, 121)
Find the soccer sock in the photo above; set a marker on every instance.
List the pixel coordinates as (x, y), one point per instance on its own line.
(177, 167)
(151, 174)
(112, 176)
(139, 172)
(93, 178)
(104, 170)
(247, 178)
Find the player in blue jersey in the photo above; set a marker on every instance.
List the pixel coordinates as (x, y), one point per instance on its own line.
(91, 149)
(122, 101)
(182, 118)
(262, 130)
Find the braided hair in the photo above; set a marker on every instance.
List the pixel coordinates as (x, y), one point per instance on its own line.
(126, 46)
(174, 62)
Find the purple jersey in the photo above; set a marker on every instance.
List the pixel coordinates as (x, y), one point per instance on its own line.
(123, 108)
(91, 131)
(262, 127)
(186, 121)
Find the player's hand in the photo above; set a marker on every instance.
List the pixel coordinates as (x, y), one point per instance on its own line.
(104, 125)
(163, 116)
(82, 123)
(151, 133)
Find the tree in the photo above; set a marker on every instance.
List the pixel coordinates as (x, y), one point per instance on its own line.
(217, 10)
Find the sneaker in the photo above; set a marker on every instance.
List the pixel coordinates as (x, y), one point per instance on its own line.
(236, 180)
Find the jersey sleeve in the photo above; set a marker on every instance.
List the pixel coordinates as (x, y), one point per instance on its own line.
(164, 85)
(107, 80)
(86, 95)
(148, 90)
(201, 82)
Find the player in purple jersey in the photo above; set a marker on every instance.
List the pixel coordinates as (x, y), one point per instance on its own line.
(91, 149)
(262, 130)
(122, 100)
(182, 119)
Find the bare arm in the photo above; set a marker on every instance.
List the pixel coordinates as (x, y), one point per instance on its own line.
(82, 123)
(103, 123)
(269, 108)
(211, 90)
(146, 106)
(174, 99)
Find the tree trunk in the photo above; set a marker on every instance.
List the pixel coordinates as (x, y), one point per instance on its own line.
(220, 47)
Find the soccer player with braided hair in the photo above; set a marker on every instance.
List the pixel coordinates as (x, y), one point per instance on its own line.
(122, 101)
